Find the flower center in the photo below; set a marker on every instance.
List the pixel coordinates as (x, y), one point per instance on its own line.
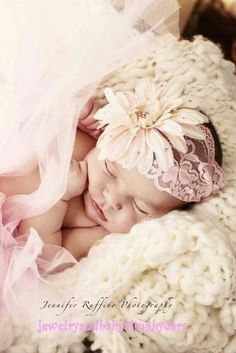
(141, 115)
(143, 118)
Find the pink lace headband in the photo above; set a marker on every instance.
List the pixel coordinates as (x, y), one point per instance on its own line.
(160, 131)
(195, 174)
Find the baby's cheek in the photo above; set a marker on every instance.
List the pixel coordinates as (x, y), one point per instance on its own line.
(124, 222)
(96, 179)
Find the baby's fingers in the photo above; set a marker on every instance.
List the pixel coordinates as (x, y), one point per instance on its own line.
(86, 109)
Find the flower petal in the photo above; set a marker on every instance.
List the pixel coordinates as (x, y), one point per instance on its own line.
(123, 100)
(115, 125)
(170, 127)
(145, 90)
(172, 103)
(154, 140)
(190, 116)
(178, 142)
(119, 146)
(161, 147)
(108, 135)
(113, 100)
(190, 101)
(130, 158)
(141, 141)
(165, 158)
(145, 164)
(193, 131)
(108, 115)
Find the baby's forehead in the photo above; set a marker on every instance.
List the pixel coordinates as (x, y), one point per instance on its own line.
(137, 185)
(140, 184)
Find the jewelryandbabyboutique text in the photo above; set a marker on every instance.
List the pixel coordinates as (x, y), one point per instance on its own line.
(118, 326)
(93, 308)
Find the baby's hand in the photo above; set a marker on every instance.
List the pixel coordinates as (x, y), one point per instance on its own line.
(76, 179)
(87, 123)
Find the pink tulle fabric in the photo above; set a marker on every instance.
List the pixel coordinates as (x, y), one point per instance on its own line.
(195, 174)
(25, 264)
(55, 53)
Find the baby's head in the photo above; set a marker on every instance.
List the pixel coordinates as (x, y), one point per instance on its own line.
(156, 154)
(124, 197)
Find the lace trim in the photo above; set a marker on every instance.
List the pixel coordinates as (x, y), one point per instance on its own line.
(195, 175)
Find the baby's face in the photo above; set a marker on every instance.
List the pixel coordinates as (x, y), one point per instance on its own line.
(118, 198)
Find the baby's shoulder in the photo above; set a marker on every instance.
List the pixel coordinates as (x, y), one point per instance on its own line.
(83, 144)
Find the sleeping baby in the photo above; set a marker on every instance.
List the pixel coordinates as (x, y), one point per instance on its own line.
(138, 155)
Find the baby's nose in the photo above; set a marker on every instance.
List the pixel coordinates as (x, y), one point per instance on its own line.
(112, 198)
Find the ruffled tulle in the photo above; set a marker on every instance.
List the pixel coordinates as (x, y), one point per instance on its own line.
(26, 264)
(55, 54)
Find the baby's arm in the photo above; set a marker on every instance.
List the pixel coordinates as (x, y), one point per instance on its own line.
(49, 224)
(78, 241)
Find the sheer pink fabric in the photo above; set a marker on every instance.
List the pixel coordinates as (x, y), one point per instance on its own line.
(195, 175)
(55, 53)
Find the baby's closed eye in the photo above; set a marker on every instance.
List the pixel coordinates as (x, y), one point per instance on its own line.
(139, 207)
(108, 170)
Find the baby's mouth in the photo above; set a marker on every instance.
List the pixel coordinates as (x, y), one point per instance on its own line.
(99, 210)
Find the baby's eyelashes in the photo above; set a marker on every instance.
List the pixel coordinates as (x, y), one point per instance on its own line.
(108, 170)
(138, 208)
(135, 204)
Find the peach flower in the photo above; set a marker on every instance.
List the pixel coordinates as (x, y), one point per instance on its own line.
(152, 119)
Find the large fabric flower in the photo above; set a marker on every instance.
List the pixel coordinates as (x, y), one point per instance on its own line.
(146, 123)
